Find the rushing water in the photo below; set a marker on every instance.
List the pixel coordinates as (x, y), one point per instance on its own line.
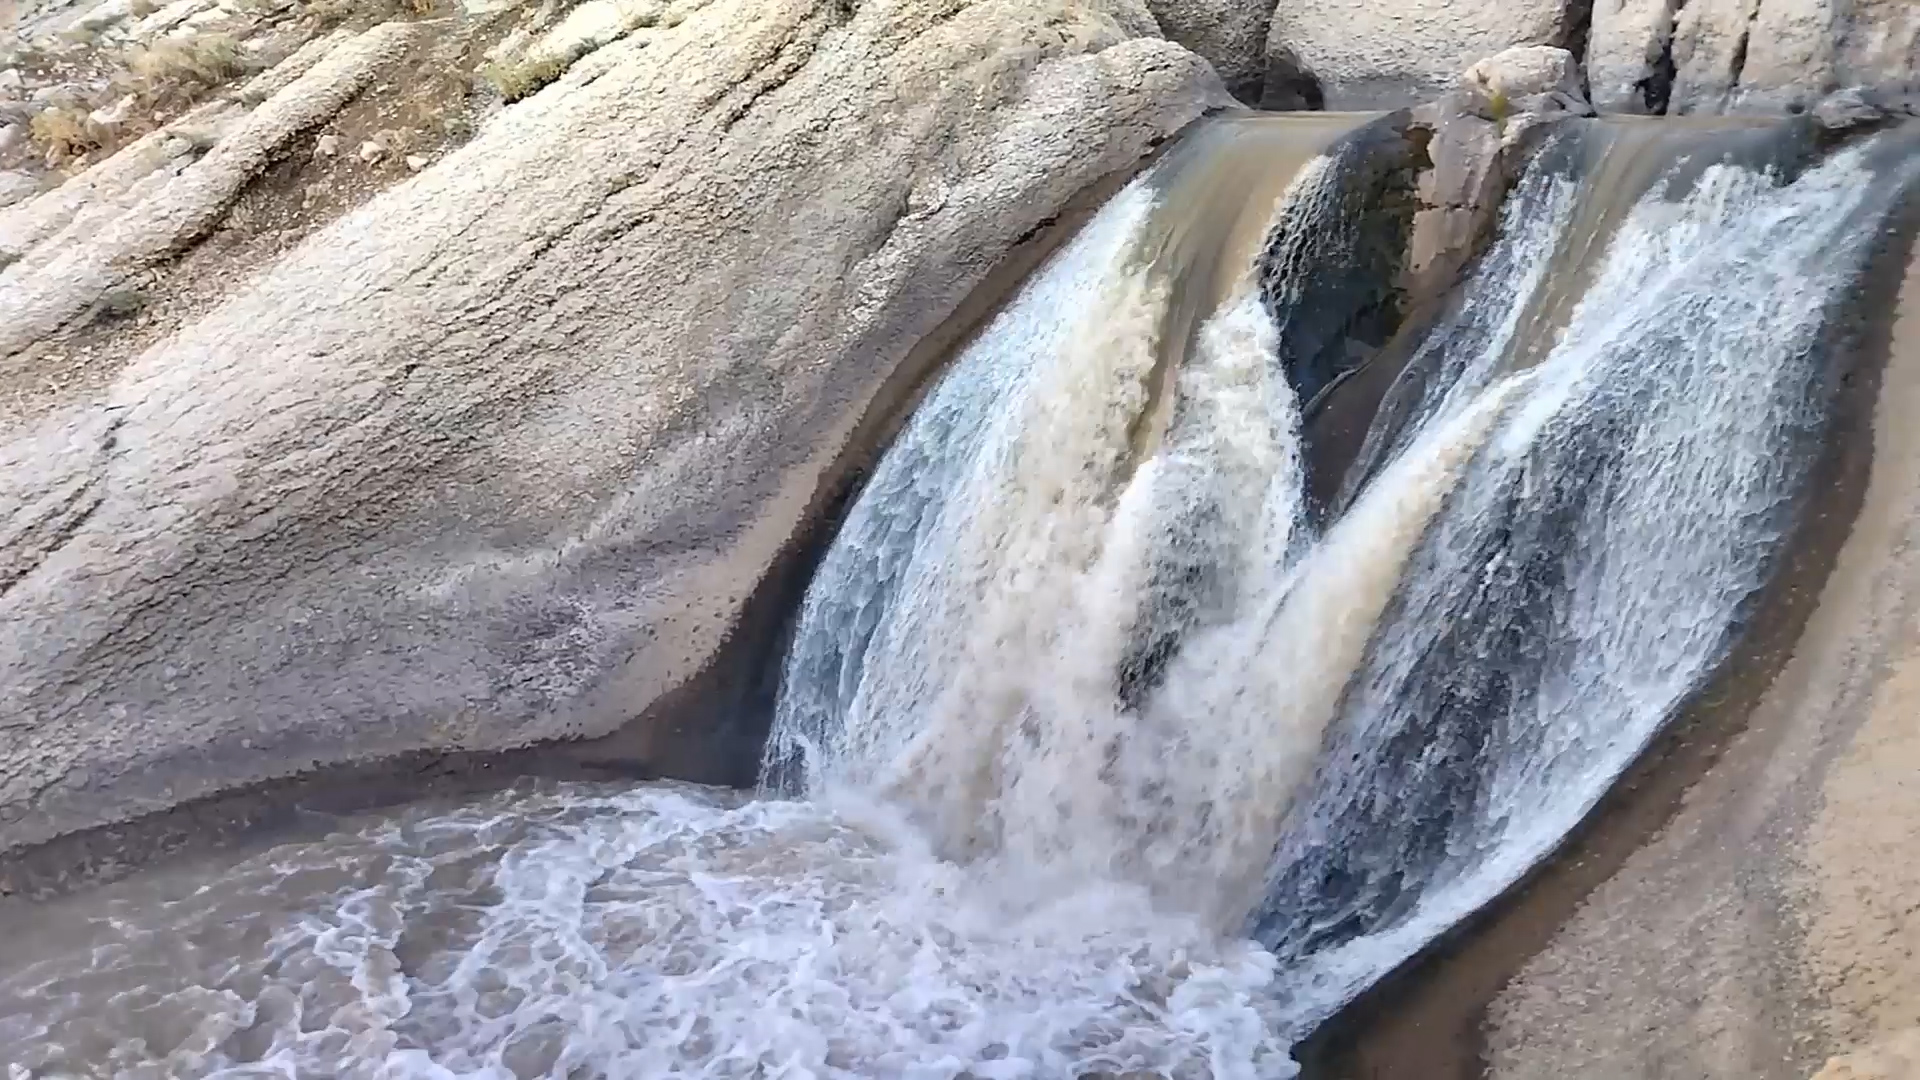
(1119, 759)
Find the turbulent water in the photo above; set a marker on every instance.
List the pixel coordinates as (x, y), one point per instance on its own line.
(1115, 754)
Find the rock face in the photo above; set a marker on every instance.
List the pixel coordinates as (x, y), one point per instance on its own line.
(1641, 55)
(1772, 923)
(1231, 34)
(58, 277)
(1480, 142)
(1363, 54)
(1749, 55)
(497, 457)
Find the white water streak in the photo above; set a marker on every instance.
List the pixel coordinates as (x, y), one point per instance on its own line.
(1697, 335)
(1005, 873)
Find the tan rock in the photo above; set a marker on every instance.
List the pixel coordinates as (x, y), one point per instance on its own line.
(1896, 1059)
(497, 457)
(1527, 78)
(1367, 54)
(1230, 34)
(1748, 55)
(1479, 142)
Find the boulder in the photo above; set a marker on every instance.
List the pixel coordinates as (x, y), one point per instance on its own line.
(1742, 56)
(1231, 34)
(1362, 54)
(1481, 136)
(1526, 79)
(497, 457)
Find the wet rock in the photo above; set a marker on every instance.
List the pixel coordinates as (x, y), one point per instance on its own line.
(1849, 108)
(1337, 319)
(498, 457)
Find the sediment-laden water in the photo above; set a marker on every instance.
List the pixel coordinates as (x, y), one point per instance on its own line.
(1101, 749)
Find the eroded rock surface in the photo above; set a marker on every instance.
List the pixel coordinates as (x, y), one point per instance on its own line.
(497, 457)
(1231, 34)
(1749, 55)
(1365, 54)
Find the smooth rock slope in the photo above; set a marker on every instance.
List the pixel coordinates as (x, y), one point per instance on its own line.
(497, 457)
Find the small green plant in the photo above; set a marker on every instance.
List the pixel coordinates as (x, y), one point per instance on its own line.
(1499, 105)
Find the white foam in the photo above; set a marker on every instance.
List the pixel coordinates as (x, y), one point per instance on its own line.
(648, 933)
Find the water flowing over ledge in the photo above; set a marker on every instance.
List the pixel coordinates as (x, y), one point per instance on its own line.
(1119, 757)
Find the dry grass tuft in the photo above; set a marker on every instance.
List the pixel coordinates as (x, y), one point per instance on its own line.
(523, 78)
(175, 70)
(64, 132)
(327, 14)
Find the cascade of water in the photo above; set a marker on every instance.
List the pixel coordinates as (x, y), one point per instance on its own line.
(1150, 663)
(1119, 764)
(1012, 697)
(1585, 576)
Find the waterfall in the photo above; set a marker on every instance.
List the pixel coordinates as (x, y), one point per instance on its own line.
(1589, 571)
(1070, 652)
(1110, 741)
